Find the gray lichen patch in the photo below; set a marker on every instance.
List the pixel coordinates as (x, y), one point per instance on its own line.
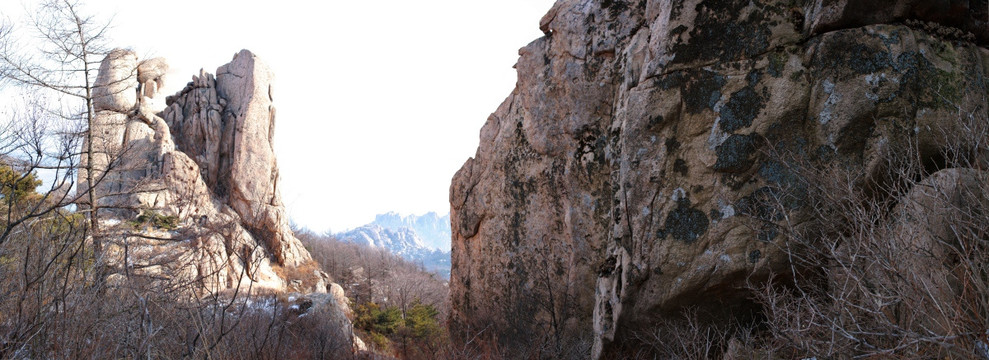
(703, 91)
(735, 153)
(723, 31)
(777, 62)
(741, 109)
(684, 223)
(847, 55)
(754, 256)
(680, 167)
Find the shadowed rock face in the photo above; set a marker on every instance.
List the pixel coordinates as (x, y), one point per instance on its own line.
(627, 166)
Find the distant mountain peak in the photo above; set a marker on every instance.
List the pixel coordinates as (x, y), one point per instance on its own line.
(400, 241)
(420, 238)
(431, 227)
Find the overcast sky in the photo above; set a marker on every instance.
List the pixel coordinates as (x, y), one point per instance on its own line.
(379, 102)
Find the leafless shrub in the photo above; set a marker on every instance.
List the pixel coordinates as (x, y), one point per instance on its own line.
(692, 337)
(887, 264)
(537, 317)
(376, 275)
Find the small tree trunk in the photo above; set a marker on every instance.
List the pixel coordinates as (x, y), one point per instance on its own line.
(94, 224)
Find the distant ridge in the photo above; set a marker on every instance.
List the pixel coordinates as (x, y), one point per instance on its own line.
(432, 228)
(422, 239)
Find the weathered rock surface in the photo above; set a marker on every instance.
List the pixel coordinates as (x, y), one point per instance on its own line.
(151, 76)
(116, 82)
(226, 124)
(189, 194)
(616, 174)
(965, 16)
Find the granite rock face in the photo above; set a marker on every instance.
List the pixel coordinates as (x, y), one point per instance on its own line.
(151, 76)
(626, 171)
(226, 124)
(190, 193)
(116, 82)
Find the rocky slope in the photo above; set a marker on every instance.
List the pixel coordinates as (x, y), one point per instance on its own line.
(624, 172)
(189, 194)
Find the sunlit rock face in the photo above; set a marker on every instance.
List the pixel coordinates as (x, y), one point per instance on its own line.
(226, 125)
(624, 173)
(188, 196)
(199, 176)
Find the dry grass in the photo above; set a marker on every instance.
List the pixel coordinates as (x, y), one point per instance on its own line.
(306, 274)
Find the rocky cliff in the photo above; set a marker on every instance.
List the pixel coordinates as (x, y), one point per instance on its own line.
(628, 174)
(188, 195)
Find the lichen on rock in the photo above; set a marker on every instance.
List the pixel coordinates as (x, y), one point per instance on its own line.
(687, 102)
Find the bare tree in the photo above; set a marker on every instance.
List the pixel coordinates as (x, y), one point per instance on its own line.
(64, 69)
(56, 298)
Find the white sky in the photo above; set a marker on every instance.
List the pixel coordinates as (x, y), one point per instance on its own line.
(379, 102)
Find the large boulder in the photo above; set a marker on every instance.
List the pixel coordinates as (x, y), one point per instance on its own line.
(252, 172)
(188, 197)
(928, 221)
(616, 174)
(116, 84)
(151, 76)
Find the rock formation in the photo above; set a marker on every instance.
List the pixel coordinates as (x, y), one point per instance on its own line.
(226, 125)
(623, 173)
(189, 195)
